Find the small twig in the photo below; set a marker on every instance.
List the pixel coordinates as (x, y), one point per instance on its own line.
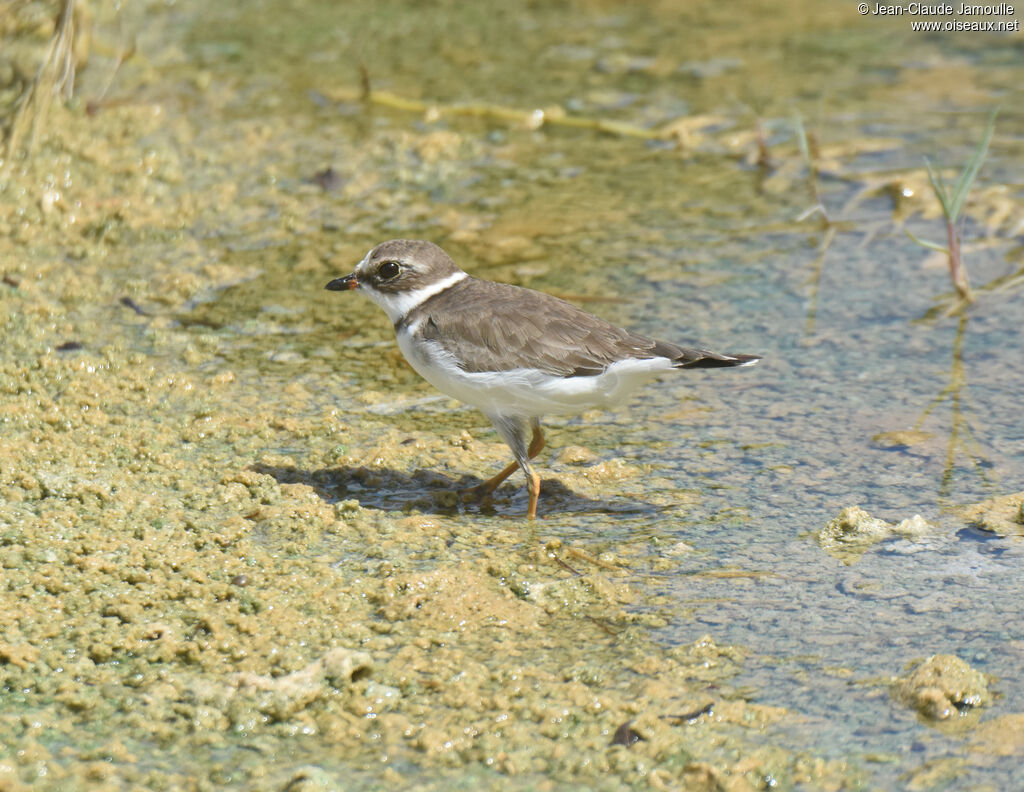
(764, 157)
(128, 302)
(564, 565)
(583, 555)
(532, 119)
(93, 106)
(689, 717)
(364, 83)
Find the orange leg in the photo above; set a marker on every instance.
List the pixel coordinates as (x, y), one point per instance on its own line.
(533, 486)
(532, 479)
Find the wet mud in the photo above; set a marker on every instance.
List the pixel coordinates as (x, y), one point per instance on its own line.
(232, 553)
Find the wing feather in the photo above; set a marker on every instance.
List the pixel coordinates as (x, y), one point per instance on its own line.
(540, 331)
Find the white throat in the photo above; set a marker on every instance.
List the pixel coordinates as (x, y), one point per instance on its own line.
(397, 304)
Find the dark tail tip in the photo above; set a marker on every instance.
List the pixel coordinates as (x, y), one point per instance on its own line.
(711, 360)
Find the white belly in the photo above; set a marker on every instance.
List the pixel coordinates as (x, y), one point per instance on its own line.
(527, 392)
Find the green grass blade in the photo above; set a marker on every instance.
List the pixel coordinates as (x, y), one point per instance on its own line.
(925, 243)
(963, 185)
(801, 139)
(939, 187)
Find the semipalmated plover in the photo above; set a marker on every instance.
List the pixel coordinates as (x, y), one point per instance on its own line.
(513, 353)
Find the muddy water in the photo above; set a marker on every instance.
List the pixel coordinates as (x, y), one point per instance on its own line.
(230, 550)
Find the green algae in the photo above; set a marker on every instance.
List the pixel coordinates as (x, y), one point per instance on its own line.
(850, 534)
(943, 687)
(230, 552)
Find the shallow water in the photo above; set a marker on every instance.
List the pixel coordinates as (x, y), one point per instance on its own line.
(695, 247)
(696, 243)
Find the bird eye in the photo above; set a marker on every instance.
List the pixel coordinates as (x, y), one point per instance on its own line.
(389, 270)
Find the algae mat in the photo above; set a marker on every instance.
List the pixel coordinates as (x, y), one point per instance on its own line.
(231, 554)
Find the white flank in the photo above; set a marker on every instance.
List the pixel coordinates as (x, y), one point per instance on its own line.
(398, 304)
(527, 392)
